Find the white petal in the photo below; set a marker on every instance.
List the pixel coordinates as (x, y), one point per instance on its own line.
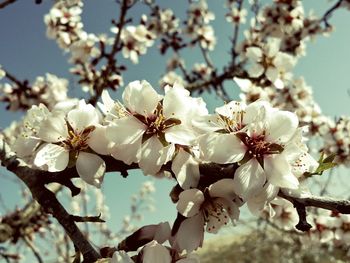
(53, 129)
(271, 74)
(128, 153)
(140, 97)
(243, 84)
(190, 234)
(24, 147)
(256, 70)
(166, 154)
(207, 123)
(272, 47)
(108, 102)
(231, 109)
(150, 153)
(190, 202)
(223, 188)
(126, 130)
(155, 253)
(279, 173)
(248, 179)
(98, 140)
(54, 156)
(281, 126)
(186, 169)
(91, 168)
(258, 201)
(82, 117)
(180, 134)
(176, 102)
(254, 53)
(121, 257)
(221, 148)
(256, 111)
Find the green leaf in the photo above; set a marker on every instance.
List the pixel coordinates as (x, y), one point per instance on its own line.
(324, 164)
(323, 167)
(330, 158)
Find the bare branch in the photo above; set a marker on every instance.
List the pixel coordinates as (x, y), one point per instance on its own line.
(47, 200)
(300, 203)
(329, 13)
(6, 3)
(111, 61)
(33, 249)
(84, 219)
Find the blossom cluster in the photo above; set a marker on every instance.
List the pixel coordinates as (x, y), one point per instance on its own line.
(48, 90)
(174, 130)
(260, 138)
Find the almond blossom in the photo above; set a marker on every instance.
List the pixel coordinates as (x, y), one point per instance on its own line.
(72, 139)
(269, 61)
(154, 127)
(214, 207)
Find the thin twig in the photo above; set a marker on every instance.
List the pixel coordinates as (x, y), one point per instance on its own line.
(329, 12)
(33, 249)
(235, 35)
(6, 3)
(111, 56)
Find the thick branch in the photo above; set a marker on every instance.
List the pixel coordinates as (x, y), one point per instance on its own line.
(300, 203)
(47, 200)
(341, 206)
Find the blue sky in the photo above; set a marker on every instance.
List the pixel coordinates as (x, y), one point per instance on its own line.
(27, 53)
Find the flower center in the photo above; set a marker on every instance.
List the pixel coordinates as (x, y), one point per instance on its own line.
(214, 213)
(77, 141)
(232, 124)
(257, 147)
(157, 123)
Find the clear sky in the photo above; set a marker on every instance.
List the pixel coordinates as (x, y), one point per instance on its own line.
(26, 52)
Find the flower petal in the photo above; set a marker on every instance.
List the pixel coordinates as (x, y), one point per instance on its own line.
(155, 253)
(249, 178)
(254, 53)
(55, 157)
(180, 134)
(150, 153)
(279, 172)
(256, 70)
(54, 128)
(98, 140)
(91, 168)
(121, 257)
(271, 74)
(190, 234)
(126, 130)
(223, 188)
(82, 117)
(281, 126)
(128, 153)
(176, 102)
(221, 148)
(186, 169)
(140, 97)
(190, 202)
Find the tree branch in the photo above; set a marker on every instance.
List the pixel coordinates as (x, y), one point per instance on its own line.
(111, 56)
(329, 13)
(47, 200)
(6, 3)
(300, 203)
